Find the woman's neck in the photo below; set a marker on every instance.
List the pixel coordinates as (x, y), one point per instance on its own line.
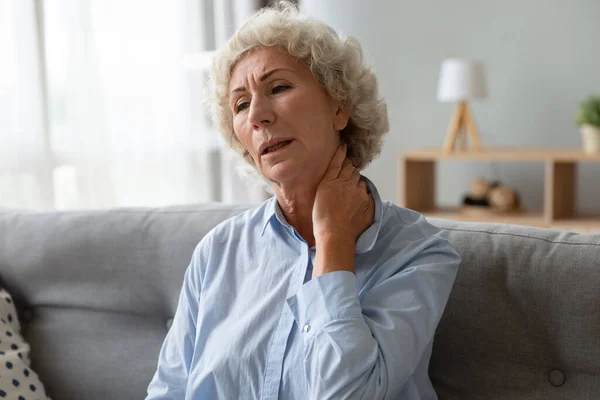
(297, 206)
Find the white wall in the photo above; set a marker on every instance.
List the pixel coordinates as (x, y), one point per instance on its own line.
(541, 57)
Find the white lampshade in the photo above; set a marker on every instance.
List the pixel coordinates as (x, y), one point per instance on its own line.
(461, 80)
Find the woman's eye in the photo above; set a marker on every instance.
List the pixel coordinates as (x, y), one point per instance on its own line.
(280, 88)
(241, 107)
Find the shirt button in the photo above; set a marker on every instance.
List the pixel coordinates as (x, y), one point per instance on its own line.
(556, 377)
(306, 328)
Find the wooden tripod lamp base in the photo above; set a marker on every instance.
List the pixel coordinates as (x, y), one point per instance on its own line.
(462, 123)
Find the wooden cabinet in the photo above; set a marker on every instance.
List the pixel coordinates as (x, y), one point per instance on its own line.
(418, 177)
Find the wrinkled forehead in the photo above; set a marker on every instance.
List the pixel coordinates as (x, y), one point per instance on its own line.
(260, 60)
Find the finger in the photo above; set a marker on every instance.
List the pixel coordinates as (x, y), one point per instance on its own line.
(363, 185)
(355, 177)
(347, 169)
(371, 213)
(368, 208)
(335, 165)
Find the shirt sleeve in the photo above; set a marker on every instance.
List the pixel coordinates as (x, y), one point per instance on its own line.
(367, 345)
(175, 357)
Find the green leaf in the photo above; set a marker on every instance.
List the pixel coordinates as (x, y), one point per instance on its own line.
(589, 112)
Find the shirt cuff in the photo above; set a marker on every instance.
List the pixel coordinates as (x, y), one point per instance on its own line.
(324, 299)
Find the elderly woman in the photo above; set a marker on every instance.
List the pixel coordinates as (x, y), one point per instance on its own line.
(325, 291)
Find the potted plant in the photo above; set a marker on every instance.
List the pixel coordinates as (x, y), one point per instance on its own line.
(589, 122)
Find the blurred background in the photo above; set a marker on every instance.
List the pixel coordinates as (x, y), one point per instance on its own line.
(101, 100)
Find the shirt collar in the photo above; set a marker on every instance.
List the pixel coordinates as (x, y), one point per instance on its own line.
(367, 239)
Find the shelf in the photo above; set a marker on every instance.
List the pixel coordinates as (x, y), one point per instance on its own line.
(580, 223)
(504, 154)
(526, 218)
(418, 182)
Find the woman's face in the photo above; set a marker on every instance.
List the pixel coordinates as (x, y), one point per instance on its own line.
(283, 117)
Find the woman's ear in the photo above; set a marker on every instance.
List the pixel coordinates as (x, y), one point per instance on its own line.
(340, 119)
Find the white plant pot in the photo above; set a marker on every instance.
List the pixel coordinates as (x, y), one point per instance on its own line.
(591, 138)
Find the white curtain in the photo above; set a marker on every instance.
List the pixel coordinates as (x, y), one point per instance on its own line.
(25, 165)
(98, 109)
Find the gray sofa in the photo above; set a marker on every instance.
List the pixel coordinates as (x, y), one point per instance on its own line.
(96, 291)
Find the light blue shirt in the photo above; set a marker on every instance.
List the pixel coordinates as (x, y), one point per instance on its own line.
(252, 324)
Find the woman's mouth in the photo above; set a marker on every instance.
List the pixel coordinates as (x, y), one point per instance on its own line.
(276, 147)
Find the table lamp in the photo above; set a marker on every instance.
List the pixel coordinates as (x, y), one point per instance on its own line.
(461, 80)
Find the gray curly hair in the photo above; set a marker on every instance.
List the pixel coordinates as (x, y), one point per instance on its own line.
(336, 62)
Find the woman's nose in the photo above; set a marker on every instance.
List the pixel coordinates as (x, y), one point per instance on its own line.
(261, 113)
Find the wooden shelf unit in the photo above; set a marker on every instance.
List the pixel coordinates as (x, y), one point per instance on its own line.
(418, 176)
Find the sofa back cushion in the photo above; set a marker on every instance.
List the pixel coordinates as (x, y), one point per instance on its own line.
(523, 319)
